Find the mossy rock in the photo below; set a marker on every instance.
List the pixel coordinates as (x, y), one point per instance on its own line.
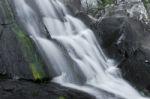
(31, 54)
(61, 97)
(19, 55)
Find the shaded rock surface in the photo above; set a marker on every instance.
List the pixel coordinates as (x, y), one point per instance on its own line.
(127, 40)
(12, 60)
(14, 89)
(11, 57)
(18, 55)
(73, 5)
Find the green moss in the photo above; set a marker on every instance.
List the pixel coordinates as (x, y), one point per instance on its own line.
(101, 4)
(26, 44)
(61, 97)
(37, 71)
(31, 55)
(145, 2)
(106, 2)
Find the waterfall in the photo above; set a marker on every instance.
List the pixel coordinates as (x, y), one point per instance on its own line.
(72, 51)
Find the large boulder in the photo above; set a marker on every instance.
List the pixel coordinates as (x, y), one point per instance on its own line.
(127, 40)
(19, 58)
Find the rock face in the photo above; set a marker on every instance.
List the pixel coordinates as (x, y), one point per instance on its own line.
(11, 89)
(73, 5)
(12, 60)
(127, 40)
(18, 56)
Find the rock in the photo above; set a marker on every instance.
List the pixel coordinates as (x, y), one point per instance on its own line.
(6, 14)
(15, 89)
(16, 54)
(88, 20)
(19, 58)
(74, 6)
(8, 88)
(12, 60)
(108, 31)
(136, 70)
(129, 8)
(127, 40)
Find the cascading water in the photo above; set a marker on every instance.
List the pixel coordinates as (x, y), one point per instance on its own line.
(72, 51)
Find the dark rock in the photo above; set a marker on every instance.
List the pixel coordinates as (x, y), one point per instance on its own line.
(12, 59)
(85, 18)
(136, 70)
(74, 6)
(18, 54)
(108, 31)
(8, 88)
(30, 90)
(127, 40)
(6, 16)
(120, 36)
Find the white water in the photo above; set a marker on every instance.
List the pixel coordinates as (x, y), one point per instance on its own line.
(90, 70)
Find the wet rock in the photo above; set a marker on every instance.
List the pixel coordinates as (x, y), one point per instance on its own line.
(19, 58)
(108, 31)
(126, 40)
(88, 20)
(30, 90)
(6, 16)
(8, 88)
(12, 59)
(136, 70)
(73, 5)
